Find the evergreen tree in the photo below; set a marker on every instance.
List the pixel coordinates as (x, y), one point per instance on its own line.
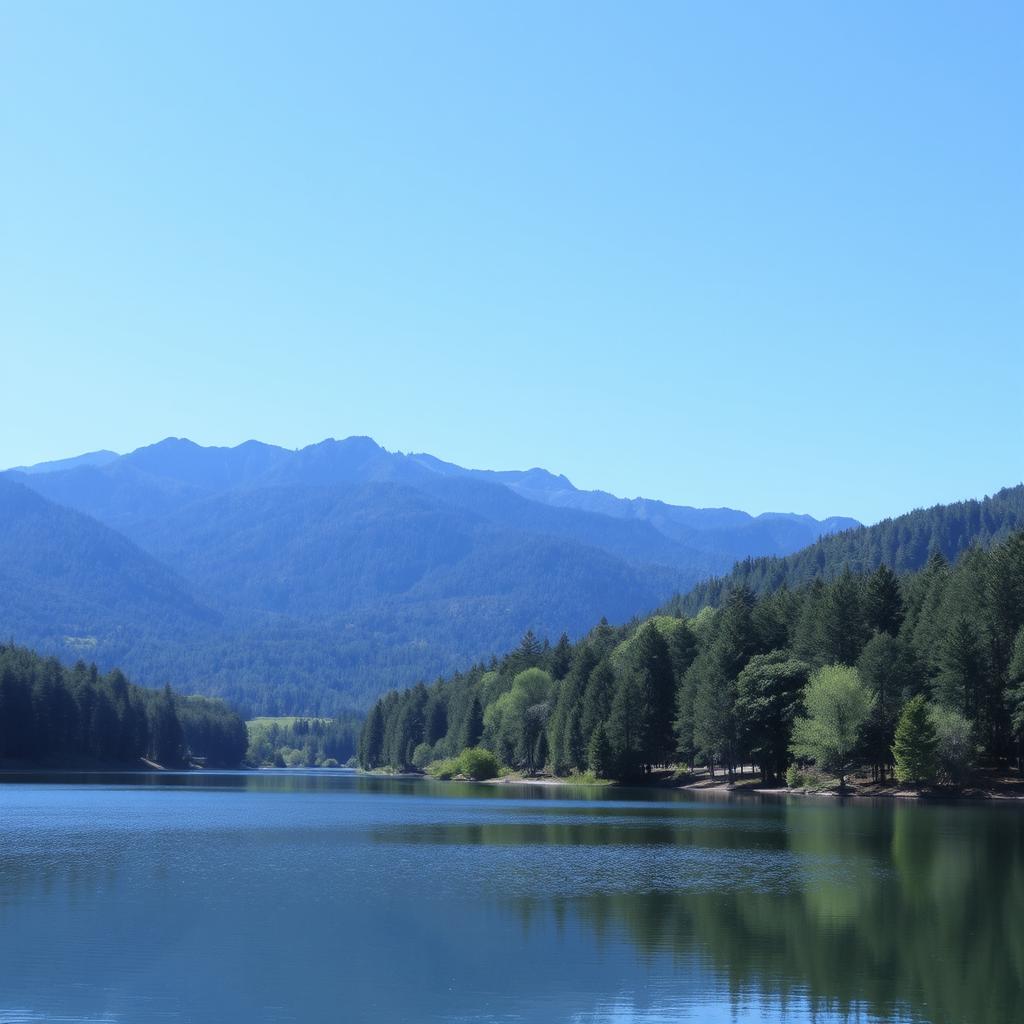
(916, 743)
(625, 727)
(371, 739)
(883, 601)
(893, 674)
(843, 630)
(600, 757)
(652, 664)
(963, 670)
(474, 725)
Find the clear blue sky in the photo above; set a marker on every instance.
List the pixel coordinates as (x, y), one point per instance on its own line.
(761, 255)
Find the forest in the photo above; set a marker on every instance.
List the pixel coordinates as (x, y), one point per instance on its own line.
(917, 675)
(303, 742)
(49, 712)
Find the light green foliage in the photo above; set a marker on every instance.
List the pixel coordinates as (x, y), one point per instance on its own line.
(837, 706)
(478, 763)
(957, 748)
(473, 763)
(914, 748)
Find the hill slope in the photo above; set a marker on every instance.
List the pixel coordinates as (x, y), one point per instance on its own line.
(307, 581)
(904, 544)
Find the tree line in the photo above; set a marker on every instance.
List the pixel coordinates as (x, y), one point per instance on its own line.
(49, 711)
(304, 742)
(904, 544)
(831, 674)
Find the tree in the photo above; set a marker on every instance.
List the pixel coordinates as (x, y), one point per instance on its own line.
(625, 727)
(770, 694)
(892, 672)
(843, 631)
(962, 674)
(883, 601)
(474, 724)
(652, 663)
(599, 754)
(837, 705)
(916, 743)
(167, 742)
(956, 748)
(371, 739)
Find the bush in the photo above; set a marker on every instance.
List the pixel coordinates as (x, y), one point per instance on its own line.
(422, 756)
(446, 768)
(794, 777)
(328, 762)
(956, 745)
(477, 763)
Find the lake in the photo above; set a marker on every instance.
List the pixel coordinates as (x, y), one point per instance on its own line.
(325, 896)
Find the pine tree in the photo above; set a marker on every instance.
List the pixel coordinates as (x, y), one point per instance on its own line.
(843, 630)
(963, 669)
(599, 754)
(474, 725)
(914, 749)
(625, 727)
(883, 601)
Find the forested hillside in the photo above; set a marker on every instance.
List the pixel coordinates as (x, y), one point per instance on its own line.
(308, 582)
(51, 713)
(904, 544)
(838, 672)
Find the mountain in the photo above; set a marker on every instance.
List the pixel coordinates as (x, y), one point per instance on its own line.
(72, 584)
(310, 580)
(100, 458)
(904, 544)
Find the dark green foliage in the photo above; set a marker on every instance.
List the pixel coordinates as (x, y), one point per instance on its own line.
(308, 582)
(904, 544)
(883, 601)
(713, 691)
(52, 713)
(892, 672)
(916, 743)
(600, 758)
(769, 696)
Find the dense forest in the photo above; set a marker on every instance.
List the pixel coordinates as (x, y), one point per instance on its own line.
(49, 712)
(904, 544)
(919, 674)
(303, 742)
(309, 582)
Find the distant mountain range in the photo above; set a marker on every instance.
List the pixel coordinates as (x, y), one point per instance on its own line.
(310, 580)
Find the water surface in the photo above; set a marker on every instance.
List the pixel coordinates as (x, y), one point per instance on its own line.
(322, 896)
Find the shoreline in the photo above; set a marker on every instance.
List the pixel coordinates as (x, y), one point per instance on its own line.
(1005, 790)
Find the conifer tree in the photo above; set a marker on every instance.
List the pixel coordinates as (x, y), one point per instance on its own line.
(883, 601)
(916, 743)
(599, 753)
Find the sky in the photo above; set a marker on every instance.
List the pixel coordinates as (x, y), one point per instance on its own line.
(768, 256)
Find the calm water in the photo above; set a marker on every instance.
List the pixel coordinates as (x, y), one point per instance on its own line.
(312, 897)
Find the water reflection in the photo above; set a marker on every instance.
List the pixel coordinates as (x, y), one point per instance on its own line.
(212, 897)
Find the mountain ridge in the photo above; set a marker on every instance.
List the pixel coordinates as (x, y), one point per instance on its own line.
(311, 580)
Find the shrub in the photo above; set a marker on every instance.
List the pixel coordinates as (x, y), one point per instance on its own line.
(444, 769)
(477, 763)
(422, 756)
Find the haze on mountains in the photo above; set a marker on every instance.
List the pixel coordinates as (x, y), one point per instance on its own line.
(309, 581)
